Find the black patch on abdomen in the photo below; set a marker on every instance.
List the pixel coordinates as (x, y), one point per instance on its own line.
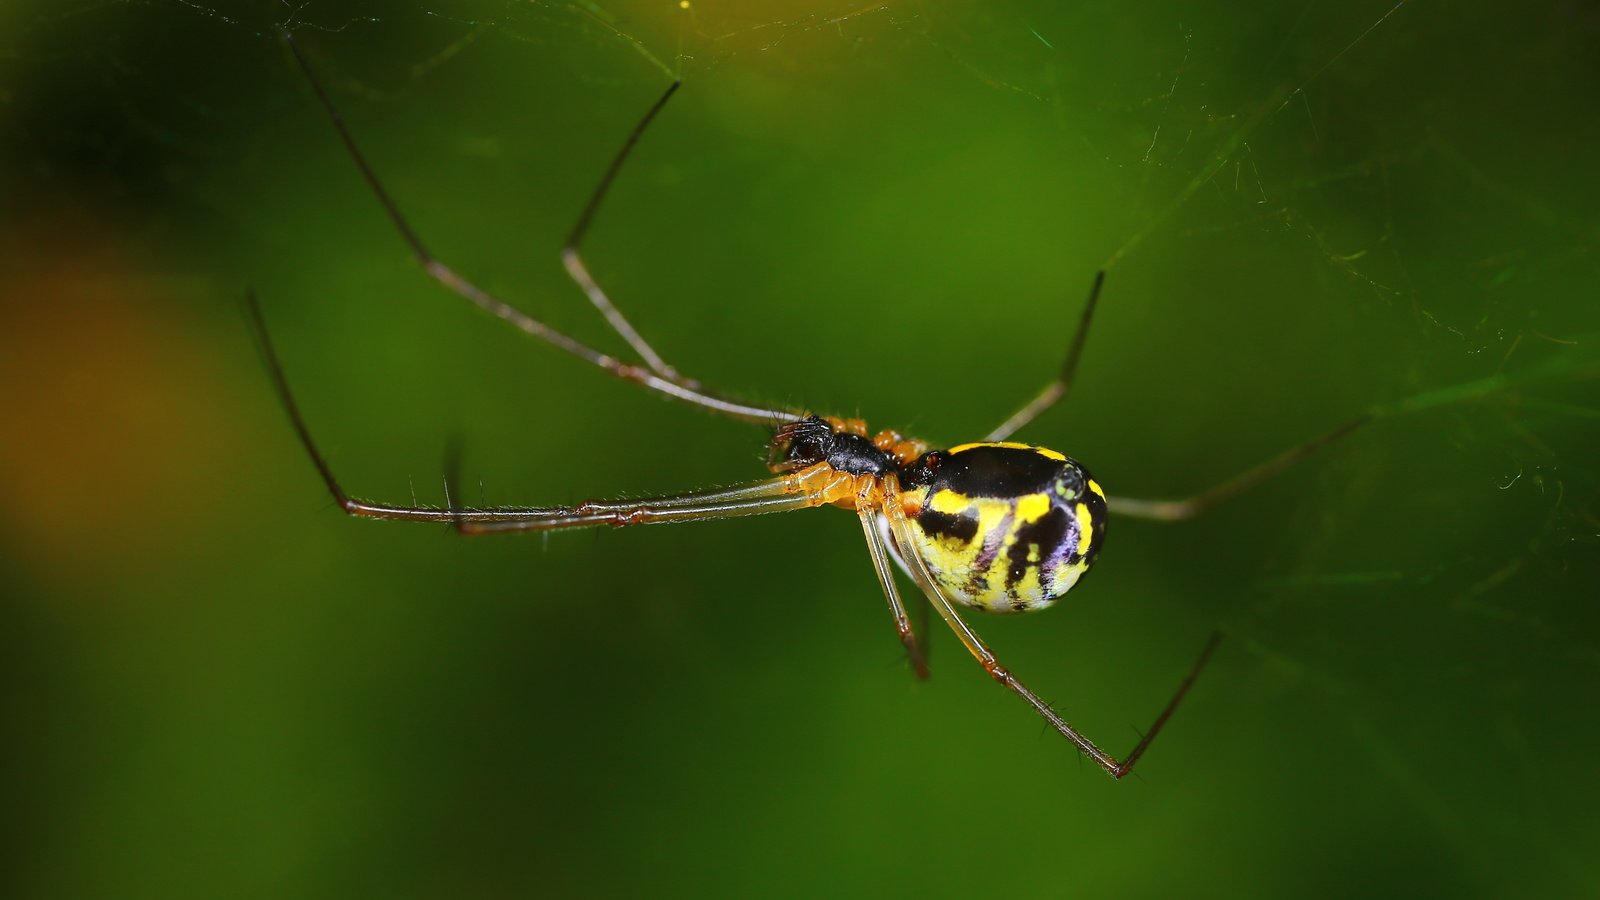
(1047, 532)
(1006, 472)
(963, 526)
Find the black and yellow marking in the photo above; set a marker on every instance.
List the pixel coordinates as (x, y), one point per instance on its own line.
(1008, 527)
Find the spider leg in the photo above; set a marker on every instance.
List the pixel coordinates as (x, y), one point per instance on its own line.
(812, 486)
(922, 616)
(900, 528)
(572, 255)
(1160, 510)
(921, 612)
(872, 524)
(1058, 388)
(771, 496)
(1188, 507)
(674, 386)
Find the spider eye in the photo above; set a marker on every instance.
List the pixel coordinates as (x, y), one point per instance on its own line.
(922, 472)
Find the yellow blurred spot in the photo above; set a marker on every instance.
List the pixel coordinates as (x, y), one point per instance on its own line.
(127, 445)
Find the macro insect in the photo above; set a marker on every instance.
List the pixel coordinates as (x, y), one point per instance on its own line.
(993, 526)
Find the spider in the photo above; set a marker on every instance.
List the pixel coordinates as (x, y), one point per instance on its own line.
(994, 526)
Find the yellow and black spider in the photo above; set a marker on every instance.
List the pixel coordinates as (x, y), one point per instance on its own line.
(994, 526)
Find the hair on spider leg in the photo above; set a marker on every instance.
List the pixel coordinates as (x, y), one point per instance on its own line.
(452, 477)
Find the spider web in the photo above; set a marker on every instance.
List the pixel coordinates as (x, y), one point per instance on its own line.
(894, 209)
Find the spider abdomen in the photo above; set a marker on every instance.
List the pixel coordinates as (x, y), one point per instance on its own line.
(1007, 527)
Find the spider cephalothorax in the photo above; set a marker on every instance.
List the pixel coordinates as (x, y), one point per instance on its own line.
(841, 443)
(813, 440)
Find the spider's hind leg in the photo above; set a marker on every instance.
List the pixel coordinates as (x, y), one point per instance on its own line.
(1195, 504)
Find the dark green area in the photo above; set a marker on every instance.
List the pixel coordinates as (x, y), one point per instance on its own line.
(215, 685)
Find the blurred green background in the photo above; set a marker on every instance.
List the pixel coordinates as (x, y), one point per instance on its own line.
(216, 685)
